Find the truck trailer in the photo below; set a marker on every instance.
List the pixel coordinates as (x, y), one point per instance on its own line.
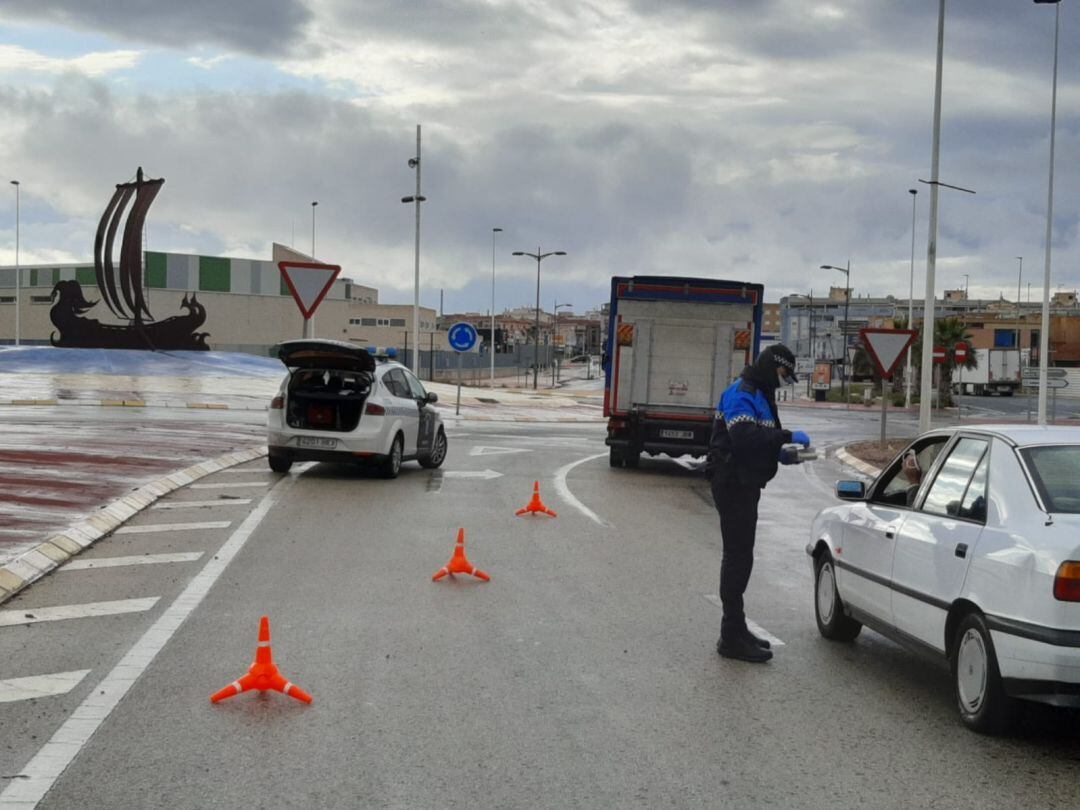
(997, 372)
(673, 345)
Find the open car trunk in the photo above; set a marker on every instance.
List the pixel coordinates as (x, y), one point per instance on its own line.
(329, 382)
(327, 399)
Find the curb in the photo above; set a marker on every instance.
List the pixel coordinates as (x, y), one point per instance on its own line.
(32, 565)
(131, 403)
(866, 469)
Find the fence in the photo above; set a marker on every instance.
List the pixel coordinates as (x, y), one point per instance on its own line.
(442, 366)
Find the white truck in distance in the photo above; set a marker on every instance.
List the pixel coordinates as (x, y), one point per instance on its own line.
(998, 372)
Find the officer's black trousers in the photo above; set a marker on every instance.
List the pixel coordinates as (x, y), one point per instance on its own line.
(738, 508)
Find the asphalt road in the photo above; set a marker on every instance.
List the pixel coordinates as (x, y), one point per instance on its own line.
(584, 674)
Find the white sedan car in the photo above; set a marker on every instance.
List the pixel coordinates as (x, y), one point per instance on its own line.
(340, 402)
(966, 547)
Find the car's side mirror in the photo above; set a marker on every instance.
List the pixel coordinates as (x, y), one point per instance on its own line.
(850, 490)
(431, 397)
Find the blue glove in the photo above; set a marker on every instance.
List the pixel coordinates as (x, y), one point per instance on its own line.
(799, 437)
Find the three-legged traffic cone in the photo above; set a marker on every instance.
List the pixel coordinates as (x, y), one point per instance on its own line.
(459, 563)
(263, 674)
(535, 505)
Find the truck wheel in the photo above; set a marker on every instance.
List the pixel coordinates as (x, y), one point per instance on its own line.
(631, 459)
(615, 458)
(1007, 392)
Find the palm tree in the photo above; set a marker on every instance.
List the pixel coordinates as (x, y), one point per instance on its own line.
(948, 333)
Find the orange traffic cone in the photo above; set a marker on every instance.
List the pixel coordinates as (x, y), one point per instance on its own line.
(263, 674)
(535, 505)
(459, 564)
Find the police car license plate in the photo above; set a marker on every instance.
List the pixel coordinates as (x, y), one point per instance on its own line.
(676, 434)
(319, 444)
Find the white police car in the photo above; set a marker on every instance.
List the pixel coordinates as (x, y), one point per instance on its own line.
(966, 548)
(344, 403)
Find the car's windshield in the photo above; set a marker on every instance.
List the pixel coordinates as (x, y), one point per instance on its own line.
(1056, 471)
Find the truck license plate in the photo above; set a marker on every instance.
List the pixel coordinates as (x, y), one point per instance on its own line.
(320, 444)
(676, 434)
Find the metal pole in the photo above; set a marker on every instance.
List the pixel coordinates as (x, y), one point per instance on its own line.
(1044, 336)
(18, 272)
(313, 204)
(554, 332)
(843, 331)
(457, 409)
(931, 244)
(492, 346)
(911, 301)
(884, 405)
(536, 342)
(416, 274)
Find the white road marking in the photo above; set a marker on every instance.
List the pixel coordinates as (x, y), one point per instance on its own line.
(483, 450)
(242, 471)
(564, 490)
(193, 504)
(45, 768)
(755, 628)
(141, 559)
(233, 485)
(11, 618)
(149, 528)
(39, 686)
(689, 463)
(471, 474)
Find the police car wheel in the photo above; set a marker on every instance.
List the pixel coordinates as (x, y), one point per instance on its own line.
(615, 458)
(392, 465)
(278, 464)
(438, 452)
(832, 622)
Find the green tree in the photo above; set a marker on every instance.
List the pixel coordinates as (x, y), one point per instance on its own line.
(948, 333)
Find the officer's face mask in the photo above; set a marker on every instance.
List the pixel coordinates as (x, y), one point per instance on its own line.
(784, 376)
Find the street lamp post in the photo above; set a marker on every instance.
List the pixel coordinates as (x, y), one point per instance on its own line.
(843, 327)
(313, 204)
(554, 339)
(492, 346)
(414, 163)
(1044, 332)
(536, 338)
(18, 280)
(914, 192)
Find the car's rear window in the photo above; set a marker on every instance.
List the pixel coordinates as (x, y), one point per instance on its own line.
(1057, 475)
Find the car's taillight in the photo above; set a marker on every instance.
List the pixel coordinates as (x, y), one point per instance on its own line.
(1067, 582)
(277, 403)
(374, 410)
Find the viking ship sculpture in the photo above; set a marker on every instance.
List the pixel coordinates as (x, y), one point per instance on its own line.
(121, 288)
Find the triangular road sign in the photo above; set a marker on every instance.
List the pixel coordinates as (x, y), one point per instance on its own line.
(309, 282)
(886, 346)
(496, 451)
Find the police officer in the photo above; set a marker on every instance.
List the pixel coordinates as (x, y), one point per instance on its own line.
(744, 451)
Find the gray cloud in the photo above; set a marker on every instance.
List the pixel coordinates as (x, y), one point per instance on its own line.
(260, 27)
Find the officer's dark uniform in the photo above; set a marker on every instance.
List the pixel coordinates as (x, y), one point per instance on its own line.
(743, 456)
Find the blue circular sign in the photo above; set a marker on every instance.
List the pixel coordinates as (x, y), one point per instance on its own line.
(462, 336)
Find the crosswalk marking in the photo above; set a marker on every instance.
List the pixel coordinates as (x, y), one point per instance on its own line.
(148, 528)
(38, 686)
(194, 504)
(11, 618)
(141, 559)
(231, 485)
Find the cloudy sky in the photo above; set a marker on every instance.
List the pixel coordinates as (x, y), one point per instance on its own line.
(743, 139)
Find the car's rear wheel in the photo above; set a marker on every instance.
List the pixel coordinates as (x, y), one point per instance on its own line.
(980, 695)
(438, 452)
(832, 622)
(392, 465)
(279, 464)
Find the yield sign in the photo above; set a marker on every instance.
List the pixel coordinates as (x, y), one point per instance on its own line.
(886, 346)
(309, 282)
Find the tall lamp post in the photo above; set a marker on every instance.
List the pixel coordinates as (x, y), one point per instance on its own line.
(1044, 332)
(843, 327)
(18, 280)
(536, 339)
(914, 192)
(313, 204)
(1019, 286)
(414, 163)
(492, 347)
(554, 339)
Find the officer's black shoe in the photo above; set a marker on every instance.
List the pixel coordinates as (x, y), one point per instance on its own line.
(743, 649)
(761, 642)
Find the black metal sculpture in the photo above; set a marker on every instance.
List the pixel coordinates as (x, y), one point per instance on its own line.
(128, 302)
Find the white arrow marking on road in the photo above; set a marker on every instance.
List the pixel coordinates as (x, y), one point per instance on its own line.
(141, 559)
(755, 628)
(496, 451)
(193, 504)
(10, 618)
(471, 474)
(38, 686)
(174, 527)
